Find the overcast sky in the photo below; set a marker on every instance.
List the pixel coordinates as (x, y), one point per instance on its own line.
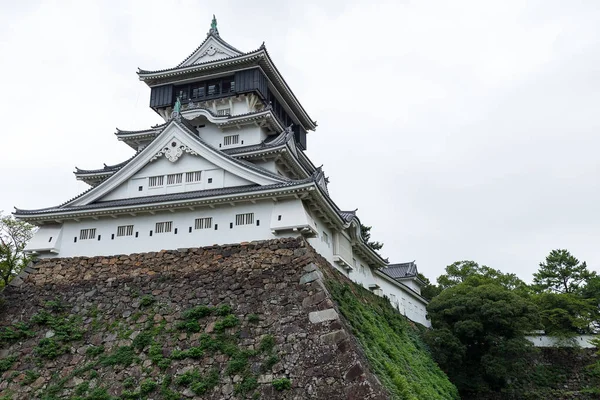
(460, 130)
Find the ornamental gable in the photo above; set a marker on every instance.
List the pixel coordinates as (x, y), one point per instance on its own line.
(178, 160)
(212, 49)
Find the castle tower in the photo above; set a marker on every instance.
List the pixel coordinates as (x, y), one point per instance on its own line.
(226, 166)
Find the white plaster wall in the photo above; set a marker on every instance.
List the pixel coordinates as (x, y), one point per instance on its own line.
(182, 221)
(413, 285)
(324, 249)
(407, 303)
(213, 135)
(361, 273)
(583, 341)
(268, 165)
(162, 166)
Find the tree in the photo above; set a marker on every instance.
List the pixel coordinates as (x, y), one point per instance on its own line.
(479, 334)
(561, 273)
(14, 235)
(460, 271)
(365, 232)
(566, 313)
(429, 290)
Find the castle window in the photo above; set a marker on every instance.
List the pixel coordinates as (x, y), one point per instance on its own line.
(156, 181)
(192, 176)
(231, 140)
(325, 238)
(125, 230)
(203, 223)
(209, 180)
(174, 179)
(162, 227)
(244, 219)
(198, 91)
(224, 112)
(87, 234)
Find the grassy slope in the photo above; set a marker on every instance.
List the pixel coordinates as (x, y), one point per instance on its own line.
(393, 346)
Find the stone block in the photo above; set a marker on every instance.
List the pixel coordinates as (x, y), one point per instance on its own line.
(334, 337)
(316, 317)
(310, 267)
(310, 277)
(314, 299)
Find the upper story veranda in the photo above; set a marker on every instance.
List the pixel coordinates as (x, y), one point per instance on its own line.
(222, 83)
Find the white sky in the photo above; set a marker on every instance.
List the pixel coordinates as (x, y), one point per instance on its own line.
(460, 130)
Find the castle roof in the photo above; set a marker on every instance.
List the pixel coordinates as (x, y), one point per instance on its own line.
(200, 62)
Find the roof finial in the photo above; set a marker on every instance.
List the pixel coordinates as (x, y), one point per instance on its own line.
(213, 26)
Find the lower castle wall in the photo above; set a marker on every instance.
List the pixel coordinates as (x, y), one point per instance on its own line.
(273, 288)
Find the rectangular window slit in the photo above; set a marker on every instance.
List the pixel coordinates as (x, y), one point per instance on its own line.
(174, 179)
(244, 219)
(163, 227)
(125, 230)
(156, 181)
(192, 176)
(231, 140)
(203, 223)
(87, 234)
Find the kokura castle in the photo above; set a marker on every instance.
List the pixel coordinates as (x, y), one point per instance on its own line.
(226, 166)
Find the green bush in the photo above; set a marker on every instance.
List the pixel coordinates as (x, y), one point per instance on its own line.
(223, 310)
(94, 351)
(267, 343)
(206, 383)
(49, 348)
(253, 319)
(129, 383)
(247, 385)
(228, 322)
(142, 340)
(188, 377)
(147, 386)
(30, 377)
(197, 312)
(282, 384)
(7, 363)
(123, 355)
(147, 300)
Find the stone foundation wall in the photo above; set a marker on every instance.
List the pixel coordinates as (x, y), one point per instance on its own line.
(252, 320)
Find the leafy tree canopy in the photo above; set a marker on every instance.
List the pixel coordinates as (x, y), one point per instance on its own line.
(566, 313)
(429, 290)
(365, 232)
(461, 271)
(561, 273)
(478, 336)
(14, 236)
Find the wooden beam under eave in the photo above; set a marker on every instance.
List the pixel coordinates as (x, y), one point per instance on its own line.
(114, 216)
(133, 214)
(152, 212)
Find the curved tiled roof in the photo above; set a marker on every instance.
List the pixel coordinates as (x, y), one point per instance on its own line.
(107, 168)
(254, 55)
(348, 215)
(198, 194)
(402, 270)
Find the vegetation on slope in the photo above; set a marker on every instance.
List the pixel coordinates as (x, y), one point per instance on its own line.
(395, 351)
